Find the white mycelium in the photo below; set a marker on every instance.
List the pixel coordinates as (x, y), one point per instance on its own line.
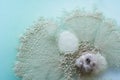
(85, 61)
(68, 42)
(91, 63)
(85, 35)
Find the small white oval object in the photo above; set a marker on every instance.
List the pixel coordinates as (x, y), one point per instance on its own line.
(68, 42)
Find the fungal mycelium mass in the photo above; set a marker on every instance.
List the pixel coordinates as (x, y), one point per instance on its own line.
(81, 47)
(81, 59)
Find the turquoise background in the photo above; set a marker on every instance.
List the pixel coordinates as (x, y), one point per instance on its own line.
(17, 15)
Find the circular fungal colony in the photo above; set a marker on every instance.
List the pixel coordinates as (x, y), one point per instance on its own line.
(80, 46)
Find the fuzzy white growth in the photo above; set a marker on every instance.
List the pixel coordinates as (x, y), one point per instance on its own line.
(68, 42)
(91, 63)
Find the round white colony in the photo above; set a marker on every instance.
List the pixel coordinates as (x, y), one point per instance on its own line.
(68, 42)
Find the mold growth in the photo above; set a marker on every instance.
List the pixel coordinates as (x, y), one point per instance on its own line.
(87, 61)
(96, 42)
(67, 42)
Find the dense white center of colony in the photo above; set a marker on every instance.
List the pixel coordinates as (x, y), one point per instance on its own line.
(89, 62)
(68, 42)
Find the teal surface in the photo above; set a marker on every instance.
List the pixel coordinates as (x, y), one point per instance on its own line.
(17, 15)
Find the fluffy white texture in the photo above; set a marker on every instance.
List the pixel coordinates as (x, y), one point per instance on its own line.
(68, 42)
(97, 63)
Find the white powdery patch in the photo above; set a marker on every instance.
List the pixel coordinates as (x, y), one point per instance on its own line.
(68, 42)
